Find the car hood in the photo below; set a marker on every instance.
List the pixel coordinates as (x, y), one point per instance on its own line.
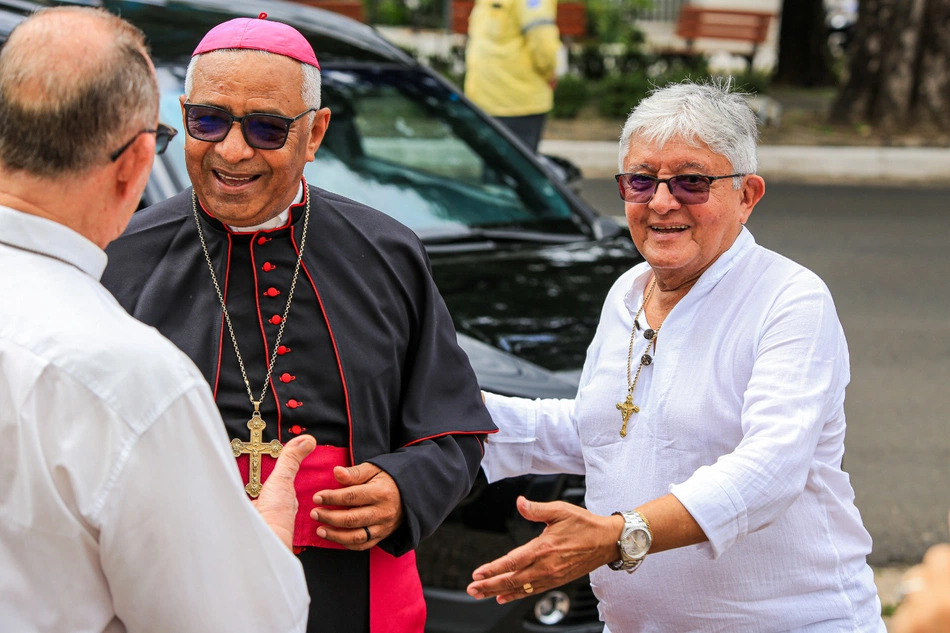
(541, 304)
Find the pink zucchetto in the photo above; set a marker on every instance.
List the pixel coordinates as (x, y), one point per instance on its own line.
(260, 35)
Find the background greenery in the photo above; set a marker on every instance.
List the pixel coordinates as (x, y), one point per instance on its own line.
(609, 71)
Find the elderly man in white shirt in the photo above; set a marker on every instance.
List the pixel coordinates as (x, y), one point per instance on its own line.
(709, 420)
(120, 507)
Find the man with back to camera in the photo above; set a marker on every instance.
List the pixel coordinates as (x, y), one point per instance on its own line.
(114, 467)
(306, 311)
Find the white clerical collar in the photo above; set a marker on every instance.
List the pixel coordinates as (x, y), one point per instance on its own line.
(274, 222)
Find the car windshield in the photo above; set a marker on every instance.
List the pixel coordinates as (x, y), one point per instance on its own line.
(403, 142)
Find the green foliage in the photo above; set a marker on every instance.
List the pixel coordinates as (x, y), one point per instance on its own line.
(588, 61)
(451, 66)
(754, 81)
(570, 95)
(614, 21)
(617, 94)
(391, 13)
(427, 14)
(637, 76)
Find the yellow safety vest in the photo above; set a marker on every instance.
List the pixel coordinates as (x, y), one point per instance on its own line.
(511, 56)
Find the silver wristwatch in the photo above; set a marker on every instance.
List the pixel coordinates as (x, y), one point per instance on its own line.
(634, 543)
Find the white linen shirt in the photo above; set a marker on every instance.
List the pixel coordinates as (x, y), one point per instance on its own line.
(742, 419)
(121, 508)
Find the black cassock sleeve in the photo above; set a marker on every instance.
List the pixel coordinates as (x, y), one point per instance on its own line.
(433, 476)
(433, 468)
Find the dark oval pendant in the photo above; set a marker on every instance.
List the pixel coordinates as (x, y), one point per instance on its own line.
(648, 334)
(646, 359)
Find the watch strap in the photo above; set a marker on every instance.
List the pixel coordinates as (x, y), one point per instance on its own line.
(632, 520)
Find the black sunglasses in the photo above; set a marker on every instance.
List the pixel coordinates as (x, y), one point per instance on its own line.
(261, 131)
(163, 133)
(687, 188)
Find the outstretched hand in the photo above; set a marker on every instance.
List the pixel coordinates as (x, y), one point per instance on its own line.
(926, 607)
(370, 507)
(574, 543)
(277, 503)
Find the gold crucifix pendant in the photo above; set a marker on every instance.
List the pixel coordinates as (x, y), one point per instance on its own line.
(626, 408)
(255, 448)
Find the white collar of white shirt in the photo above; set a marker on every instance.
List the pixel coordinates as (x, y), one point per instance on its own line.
(706, 282)
(45, 237)
(274, 222)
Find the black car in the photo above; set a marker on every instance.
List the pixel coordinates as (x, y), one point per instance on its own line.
(522, 262)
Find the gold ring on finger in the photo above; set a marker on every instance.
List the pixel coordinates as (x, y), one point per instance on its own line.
(528, 588)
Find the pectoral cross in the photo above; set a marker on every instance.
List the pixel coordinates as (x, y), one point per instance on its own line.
(626, 409)
(255, 448)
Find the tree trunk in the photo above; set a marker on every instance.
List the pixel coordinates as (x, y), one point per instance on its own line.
(899, 75)
(803, 55)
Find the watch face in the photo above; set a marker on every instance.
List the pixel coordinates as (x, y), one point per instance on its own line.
(636, 543)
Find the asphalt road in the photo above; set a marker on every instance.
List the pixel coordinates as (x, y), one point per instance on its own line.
(885, 255)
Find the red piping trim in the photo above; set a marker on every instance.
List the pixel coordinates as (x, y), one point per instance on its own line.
(227, 276)
(432, 437)
(336, 350)
(260, 321)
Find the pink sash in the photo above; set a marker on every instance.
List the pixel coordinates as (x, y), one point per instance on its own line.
(396, 604)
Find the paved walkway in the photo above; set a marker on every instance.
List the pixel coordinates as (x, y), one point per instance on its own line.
(887, 579)
(891, 165)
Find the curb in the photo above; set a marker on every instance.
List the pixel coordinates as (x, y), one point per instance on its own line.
(878, 165)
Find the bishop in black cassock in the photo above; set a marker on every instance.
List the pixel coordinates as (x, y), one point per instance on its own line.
(368, 362)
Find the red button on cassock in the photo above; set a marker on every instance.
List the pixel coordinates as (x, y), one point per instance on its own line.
(272, 292)
(287, 377)
(283, 349)
(293, 404)
(263, 240)
(275, 320)
(267, 267)
(297, 429)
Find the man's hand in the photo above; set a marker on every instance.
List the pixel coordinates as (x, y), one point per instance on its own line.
(371, 507)
(926, 609)
(277, 502)
(575, 542)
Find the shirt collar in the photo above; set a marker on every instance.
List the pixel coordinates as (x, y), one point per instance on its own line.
(38, 235)
(274, 222)
(706, 281)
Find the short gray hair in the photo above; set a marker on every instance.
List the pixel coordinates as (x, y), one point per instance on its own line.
(65, 119)
(710, 112)
(309, 90)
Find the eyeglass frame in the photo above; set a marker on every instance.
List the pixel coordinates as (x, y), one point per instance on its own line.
(163, 134)
(240, 119)
(656, 185)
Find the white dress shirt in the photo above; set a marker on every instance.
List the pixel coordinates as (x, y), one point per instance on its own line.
(120, 505)
(742, 419)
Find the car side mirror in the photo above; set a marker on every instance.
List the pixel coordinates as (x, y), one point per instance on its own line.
(564, 170)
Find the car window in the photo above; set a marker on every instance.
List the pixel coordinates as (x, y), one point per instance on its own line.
(403, 142)
(400, 131)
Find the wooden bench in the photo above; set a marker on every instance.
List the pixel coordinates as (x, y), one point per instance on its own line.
(571, 17)
(723, 24)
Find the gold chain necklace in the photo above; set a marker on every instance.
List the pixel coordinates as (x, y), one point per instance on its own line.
(256, 447)
(627, 407)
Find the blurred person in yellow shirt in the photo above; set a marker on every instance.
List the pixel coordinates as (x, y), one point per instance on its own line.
(510, 63)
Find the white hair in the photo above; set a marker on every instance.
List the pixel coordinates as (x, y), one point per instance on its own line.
(710, 112)
(310, 88)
